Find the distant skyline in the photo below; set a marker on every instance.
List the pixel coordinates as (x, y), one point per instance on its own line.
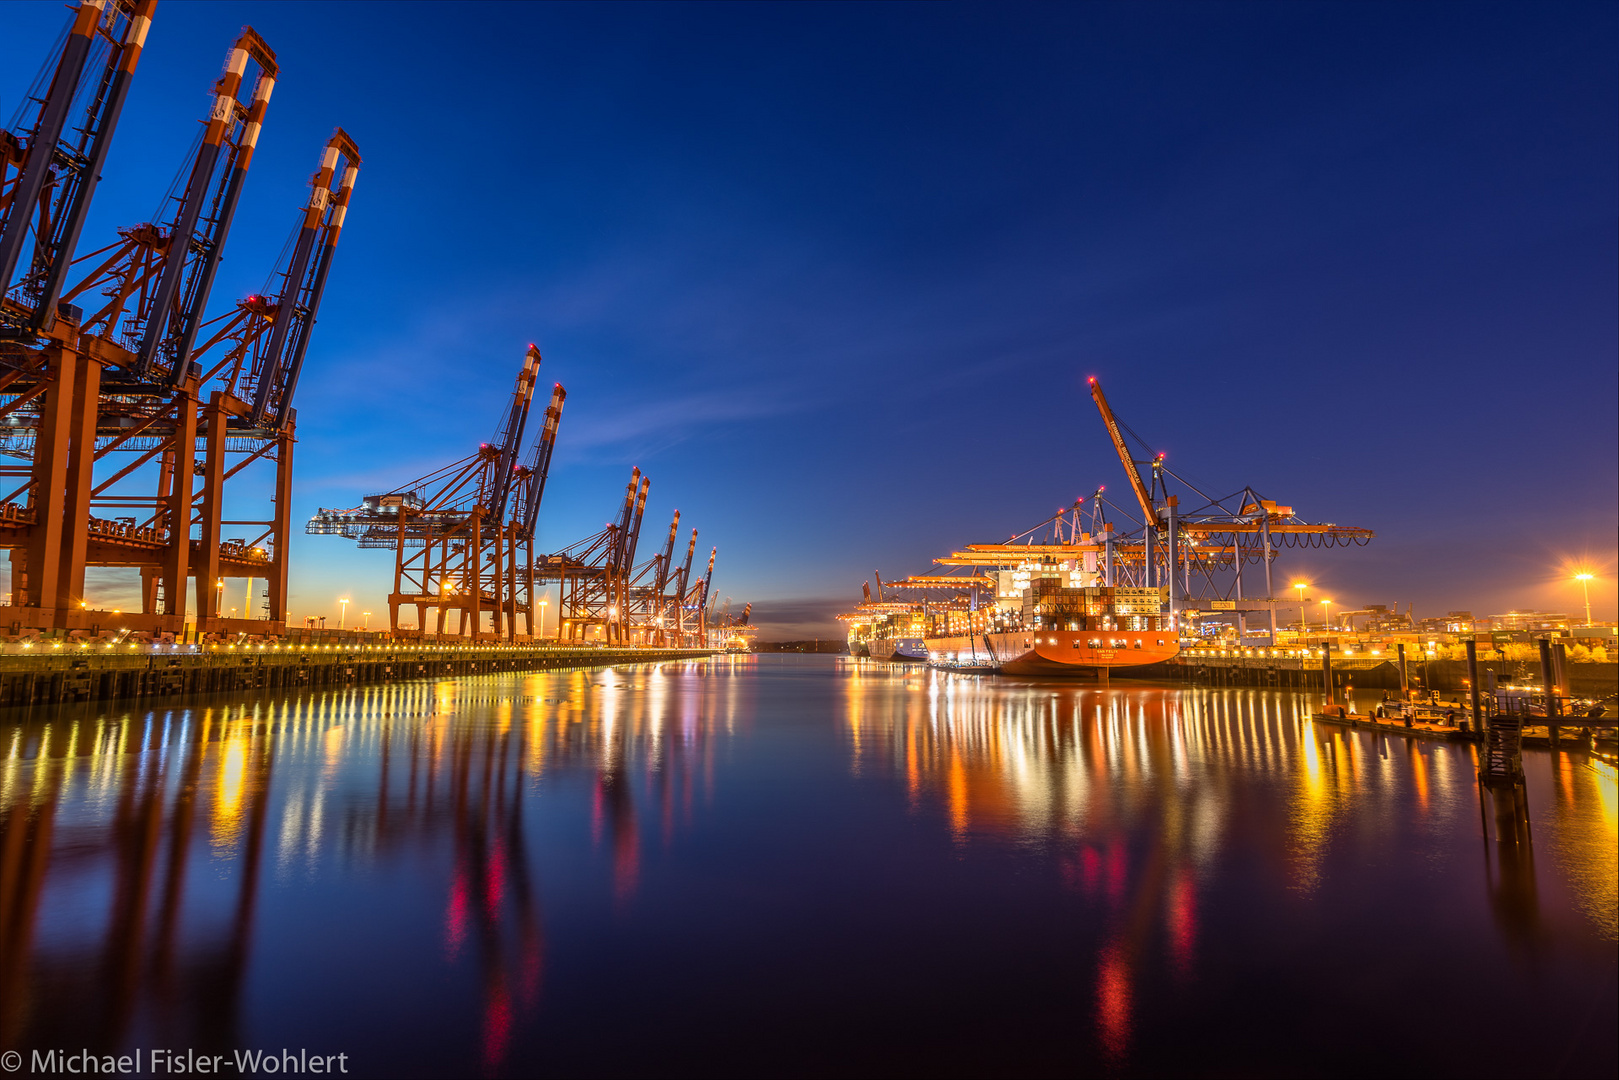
(834, 275)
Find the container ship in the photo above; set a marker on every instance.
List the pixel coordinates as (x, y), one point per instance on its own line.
(1079, 597)
(1049, 628)
(886, 629)
(1041, 610)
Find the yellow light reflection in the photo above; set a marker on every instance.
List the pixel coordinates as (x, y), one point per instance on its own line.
(229, 787)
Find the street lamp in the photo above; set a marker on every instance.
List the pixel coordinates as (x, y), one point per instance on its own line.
(342, 611)
(1301, 586)
(366, 615)
(1585, 586)
(1326, 617)
(543, 601)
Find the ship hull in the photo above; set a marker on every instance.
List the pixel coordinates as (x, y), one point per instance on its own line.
(1069, 653)
(900, 649)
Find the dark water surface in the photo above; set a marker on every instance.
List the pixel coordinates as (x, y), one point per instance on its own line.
(797, 866)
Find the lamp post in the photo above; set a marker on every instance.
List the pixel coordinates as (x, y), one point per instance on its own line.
(366, 615)
(1585, 586)
(342, 611)
(1326, 616)
(543, 602)
(1301, 586)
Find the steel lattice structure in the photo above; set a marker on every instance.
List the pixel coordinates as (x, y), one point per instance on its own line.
(463, 536)
(1194, 557)
(120, 433)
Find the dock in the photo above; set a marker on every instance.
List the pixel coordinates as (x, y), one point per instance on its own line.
(51, 673)
(1416, 729)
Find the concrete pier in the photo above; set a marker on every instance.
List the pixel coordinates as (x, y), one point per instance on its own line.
(49, 673)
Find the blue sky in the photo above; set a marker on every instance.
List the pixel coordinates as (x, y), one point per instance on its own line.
(834, 275)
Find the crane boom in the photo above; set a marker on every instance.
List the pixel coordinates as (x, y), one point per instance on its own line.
(633, 539)
(61, 198)
(666, 560)
(539, 465)
(680, 587)
(305, 279)
(511, 434)
(1149, 513)
(197, 238)
(621, 528)
(708, 578)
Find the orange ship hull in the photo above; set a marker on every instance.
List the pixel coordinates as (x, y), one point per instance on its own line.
(1056, 652)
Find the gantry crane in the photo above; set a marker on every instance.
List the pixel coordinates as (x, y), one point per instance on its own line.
(650, 607)
(528, 492)
(76, 389)
(248, 372)
(455, 542)
(49, 169)
(593, 575)
(732, 632)
(1194, 548)
(678, 596)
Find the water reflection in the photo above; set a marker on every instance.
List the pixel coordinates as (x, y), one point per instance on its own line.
(617, 871)
(135, 844)
(1138, 792)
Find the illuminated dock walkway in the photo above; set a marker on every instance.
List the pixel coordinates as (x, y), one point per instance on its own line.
(47, 672)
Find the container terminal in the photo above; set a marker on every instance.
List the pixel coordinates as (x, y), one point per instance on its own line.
(1098, 586)
(1164, 597)
(134, 409)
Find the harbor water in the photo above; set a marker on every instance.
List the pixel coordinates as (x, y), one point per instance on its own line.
(795, 866)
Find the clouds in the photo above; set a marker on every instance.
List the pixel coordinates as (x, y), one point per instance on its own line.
(662, 422)
(799, 618)
(834, 275)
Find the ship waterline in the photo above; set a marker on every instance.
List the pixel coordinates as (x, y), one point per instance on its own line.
(1055, 652)
(893, 647)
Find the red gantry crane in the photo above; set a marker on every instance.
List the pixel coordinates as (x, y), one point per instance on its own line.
(126, 380)
(594, 574)
(455, 544)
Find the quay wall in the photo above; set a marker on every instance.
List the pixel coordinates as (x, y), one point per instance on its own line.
(51, 675)
(1585, 680)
